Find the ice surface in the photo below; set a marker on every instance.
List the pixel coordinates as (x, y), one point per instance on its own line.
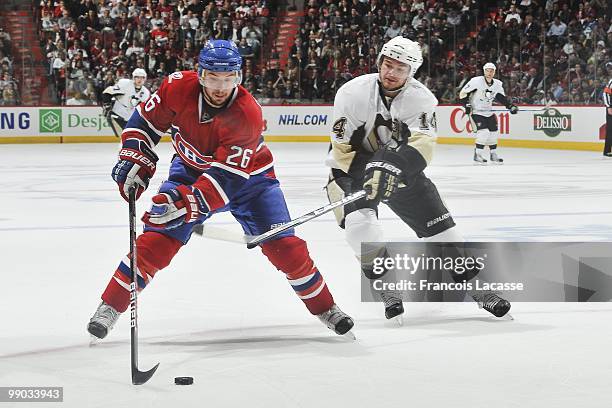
(223, 315)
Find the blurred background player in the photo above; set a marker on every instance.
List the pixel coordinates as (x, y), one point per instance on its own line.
(120, 100)
(383, 136)
(607, 97)
(477, 97)
(221, 164)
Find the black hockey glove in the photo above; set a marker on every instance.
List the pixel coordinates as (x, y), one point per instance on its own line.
(468, 109)
(384, 173)
(513, 109)
(106, 109)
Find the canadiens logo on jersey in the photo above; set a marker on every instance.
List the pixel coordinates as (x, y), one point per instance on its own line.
(188, 153)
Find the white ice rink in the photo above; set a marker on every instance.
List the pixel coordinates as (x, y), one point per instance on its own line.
(224, 315)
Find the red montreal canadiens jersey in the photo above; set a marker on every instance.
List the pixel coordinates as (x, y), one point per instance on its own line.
(227, 148)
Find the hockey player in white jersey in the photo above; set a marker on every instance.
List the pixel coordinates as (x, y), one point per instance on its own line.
(383, 136)
(120, 100)
(477, 97)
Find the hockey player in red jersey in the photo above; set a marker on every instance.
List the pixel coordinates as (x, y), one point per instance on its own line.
(221, 164)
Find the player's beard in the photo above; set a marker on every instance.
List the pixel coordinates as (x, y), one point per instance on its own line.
(217, 98)
(391, 88)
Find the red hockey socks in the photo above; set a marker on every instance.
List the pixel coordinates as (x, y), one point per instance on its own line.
(290, 255)
(154, 252)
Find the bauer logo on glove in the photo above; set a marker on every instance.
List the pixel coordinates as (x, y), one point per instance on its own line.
(175, 208)
(137, 157)
(381, 180)
(136, 166)
(385, 166)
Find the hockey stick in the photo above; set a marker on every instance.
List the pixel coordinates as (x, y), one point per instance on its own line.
(520, 110)
(548, 105)
(138, 377)
(253, 241)
(221, 234)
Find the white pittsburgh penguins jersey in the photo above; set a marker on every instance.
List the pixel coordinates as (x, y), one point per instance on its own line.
(127, 97)
(362, 123)
(482, 94)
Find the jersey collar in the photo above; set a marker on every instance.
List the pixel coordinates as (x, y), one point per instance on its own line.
(206, 113)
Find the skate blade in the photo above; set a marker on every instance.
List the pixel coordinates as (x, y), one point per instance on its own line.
(480, 163)
(399, 320)
(93, 340)
(350, 335)
(507, 316)
(497, 163)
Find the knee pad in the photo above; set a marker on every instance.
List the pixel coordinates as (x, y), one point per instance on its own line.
(492, 138)
(482, 136)
(155, 251)
(289, 255)
(362, 226)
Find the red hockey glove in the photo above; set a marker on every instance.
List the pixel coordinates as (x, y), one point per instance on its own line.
(175, 208)
(136, 166)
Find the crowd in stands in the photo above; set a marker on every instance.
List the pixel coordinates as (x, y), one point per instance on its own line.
(546, 51)
(9, 91)
(90, 44)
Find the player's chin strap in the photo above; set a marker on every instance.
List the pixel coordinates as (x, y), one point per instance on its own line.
(253, 241)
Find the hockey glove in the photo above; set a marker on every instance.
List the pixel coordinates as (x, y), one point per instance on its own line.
(175, 208)
(513, 109)
(383, 174)
(468, 109)
(106, 109)
(135, 167)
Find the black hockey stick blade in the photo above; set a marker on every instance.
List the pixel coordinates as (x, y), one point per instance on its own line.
(304, 218)
(141, 377)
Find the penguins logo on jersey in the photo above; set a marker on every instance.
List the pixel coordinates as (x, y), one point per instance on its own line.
(382, 132)
(387, 133)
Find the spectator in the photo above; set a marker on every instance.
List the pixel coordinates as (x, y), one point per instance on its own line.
(253, 35)
(393, 30)
(246, 51)
(557, 28)
(513, 14)
(77, 100)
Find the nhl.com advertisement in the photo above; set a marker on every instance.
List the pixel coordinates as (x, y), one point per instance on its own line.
(550, 126)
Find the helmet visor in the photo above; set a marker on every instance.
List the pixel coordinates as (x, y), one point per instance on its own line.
(220, 81)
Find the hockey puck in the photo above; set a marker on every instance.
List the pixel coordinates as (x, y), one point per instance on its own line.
(183, 380)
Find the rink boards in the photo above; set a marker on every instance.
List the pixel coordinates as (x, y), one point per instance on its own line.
(557, 127)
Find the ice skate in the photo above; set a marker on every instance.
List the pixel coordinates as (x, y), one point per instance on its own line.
(478, 159)
(394, 308)
(496, 159)
(493, 304)
(102, 321)
(338, 321)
